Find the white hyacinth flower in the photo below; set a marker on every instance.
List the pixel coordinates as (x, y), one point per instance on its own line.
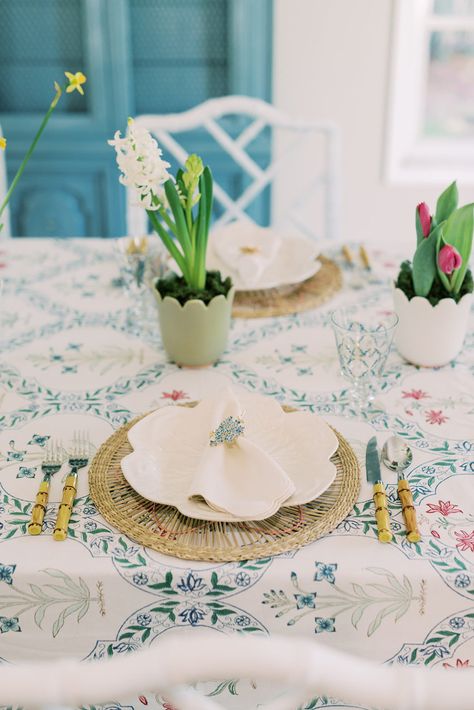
(142, 167)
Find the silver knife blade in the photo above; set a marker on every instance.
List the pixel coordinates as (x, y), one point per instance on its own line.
(372, 463)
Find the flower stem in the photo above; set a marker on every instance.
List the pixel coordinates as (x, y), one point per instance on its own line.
(30, 150)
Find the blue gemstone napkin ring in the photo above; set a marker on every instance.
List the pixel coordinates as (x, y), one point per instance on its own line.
(227, 432)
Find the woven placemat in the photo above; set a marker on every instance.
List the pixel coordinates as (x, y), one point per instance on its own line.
(271, 302)
(165, 529)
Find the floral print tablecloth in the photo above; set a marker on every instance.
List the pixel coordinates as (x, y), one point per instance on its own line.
(72, 358)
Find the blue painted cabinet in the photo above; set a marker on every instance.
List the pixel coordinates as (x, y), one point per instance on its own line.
(140, 56)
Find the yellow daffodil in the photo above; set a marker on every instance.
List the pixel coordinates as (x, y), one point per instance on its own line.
(75, 81)
(3, 143)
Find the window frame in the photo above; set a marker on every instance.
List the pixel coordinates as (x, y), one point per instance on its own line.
(410, 156)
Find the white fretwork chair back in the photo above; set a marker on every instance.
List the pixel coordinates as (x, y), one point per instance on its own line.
(296, 670)
(317, 186)
(5, 218)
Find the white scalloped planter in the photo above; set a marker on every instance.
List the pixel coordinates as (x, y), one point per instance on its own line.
(195, 335)
(430, 336)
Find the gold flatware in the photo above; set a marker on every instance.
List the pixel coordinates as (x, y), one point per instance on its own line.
(397, 456)
(137, 245)
(372, 465)
(51, 464)
(408, 509)
(347, 254)
(79, 458)
(364, 257)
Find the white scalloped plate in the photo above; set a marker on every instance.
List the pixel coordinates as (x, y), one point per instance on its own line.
(295, 261)
(301, 442)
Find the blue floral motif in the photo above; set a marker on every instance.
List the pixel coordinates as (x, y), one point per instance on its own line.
(39, 440)
(242, 579)
(321, 624)
(9, 624)
(193, 615)
(55, 358)
(6, 572)
(124, 647)
(144, 619)
(325, 572)
(462, 581)
(89, 510)
(243, 620)
(74, 346)
(15, 455)
(348, 525)
(25, 472)
(303, 600)
(440, 651)
(140, 578)
(304, 371)
(299, 348)
(191, 583)
(69, 369)
(457, 622)
(90, 526)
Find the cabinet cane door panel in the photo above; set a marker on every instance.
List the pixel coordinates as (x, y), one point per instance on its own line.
(140, 56)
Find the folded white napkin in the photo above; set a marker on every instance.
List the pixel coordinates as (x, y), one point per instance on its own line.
(242, 479)
(247, 250)
(279, 459)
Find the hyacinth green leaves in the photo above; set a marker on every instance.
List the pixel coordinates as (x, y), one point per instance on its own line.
(190, 203)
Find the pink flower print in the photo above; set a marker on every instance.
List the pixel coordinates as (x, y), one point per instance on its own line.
(443, 507)
(435, 417)
(143, 700)
(465, 540)
(175, 395)
(436, 534)
(167, 706)
(459, 664)
(415, 394)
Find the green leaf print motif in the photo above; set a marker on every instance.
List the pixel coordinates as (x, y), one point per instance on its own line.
(73, 596)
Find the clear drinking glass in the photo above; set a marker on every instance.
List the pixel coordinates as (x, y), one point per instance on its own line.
(363, 340)
(141, 261)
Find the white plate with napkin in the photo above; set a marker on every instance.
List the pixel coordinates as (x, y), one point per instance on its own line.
(280, 458)
(261, 258)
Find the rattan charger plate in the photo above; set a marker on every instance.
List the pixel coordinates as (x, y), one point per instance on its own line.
(165, 529)
(274, 302)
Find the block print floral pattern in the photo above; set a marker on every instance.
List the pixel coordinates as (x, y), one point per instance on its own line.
(53, 371)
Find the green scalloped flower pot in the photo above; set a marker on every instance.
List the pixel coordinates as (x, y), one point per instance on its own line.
(195, 335)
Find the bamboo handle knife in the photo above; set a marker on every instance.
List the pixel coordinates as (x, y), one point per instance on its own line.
(381, 513)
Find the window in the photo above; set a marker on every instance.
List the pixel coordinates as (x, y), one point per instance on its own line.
(431, 107)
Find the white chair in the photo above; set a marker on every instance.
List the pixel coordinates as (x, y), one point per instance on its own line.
(314, 190)
(306, 667)
(5, 218)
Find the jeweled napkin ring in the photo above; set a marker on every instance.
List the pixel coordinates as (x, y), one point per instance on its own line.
(227, 432)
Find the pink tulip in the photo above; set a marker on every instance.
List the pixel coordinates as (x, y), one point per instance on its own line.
(449, 259)
(425, 218)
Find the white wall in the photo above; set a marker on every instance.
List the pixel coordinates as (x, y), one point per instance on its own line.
(331, 62)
